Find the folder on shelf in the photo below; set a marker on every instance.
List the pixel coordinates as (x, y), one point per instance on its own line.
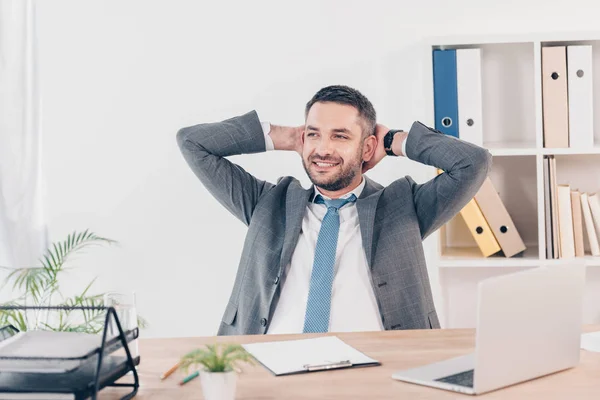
(577, 223)
(468, 80)
(480, 229)
(308, 355)
(548, 210)
(554, 207)
(565, 221)
(589, 225)
(499, 220)
(445, 92)
(554, 97)
(594, 200)
(581, 99)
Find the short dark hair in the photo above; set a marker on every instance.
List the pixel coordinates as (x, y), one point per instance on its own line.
(346, 95)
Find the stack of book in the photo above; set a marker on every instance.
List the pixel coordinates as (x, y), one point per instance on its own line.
(572, 217)
(567, 96)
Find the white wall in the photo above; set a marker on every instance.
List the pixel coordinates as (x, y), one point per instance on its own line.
(120, 77)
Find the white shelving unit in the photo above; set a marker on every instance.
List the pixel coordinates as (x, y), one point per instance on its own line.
(513, 133)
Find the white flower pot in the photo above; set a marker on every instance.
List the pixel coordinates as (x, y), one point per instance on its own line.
(218, 385)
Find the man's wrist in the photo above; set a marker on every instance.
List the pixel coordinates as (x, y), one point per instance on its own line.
(284, 137)
(398, 143)
(266, 127)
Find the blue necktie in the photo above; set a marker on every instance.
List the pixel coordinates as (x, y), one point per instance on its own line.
(318, 305)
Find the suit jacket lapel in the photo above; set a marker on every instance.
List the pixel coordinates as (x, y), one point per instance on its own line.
(295, 207)
(366, 206)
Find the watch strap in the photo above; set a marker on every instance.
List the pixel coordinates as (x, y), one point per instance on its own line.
(388, 139)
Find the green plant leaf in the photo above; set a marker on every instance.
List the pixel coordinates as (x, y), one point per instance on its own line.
(142, 322)
(40, 286)
(216, 357)
(16, 318)
(58, 255)
(20, 320)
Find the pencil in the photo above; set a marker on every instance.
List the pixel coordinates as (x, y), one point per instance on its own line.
(189, 378)
(169, 372)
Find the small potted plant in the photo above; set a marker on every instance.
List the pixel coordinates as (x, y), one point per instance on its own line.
(217, 365)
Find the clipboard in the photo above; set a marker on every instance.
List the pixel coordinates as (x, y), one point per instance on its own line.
(290, 357)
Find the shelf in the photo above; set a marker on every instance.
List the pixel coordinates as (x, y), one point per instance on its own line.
(513, 132)
(529, 149)
(468, 41)
(508, 94)
(514, 178)
(590, 261)
(470, 257)
(511, 148)
(595, 87)
(570, 151)
(459, 257)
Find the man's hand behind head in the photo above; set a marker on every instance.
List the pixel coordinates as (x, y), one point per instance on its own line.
(380, 131)
(287, 138)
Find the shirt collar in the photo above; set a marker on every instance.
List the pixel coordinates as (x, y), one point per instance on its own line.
(357, 191)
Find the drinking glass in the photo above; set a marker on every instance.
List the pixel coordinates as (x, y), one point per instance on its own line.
(124, 305)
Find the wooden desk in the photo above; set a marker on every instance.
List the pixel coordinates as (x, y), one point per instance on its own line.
(394, 349)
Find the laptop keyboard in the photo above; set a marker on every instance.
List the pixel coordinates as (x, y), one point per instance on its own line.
(462, 379)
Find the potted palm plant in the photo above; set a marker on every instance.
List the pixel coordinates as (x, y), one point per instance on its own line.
(40, 286)
(218, 367)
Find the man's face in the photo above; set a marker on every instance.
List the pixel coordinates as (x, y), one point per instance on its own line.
(333, 146)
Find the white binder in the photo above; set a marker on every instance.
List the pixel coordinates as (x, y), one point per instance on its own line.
(468, 80)
(565, 221)
(589, 225)
(580, 86)
(594, 200)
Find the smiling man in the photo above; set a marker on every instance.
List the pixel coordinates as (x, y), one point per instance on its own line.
(346, 254)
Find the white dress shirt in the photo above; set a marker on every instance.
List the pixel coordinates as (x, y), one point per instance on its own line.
(353, 303)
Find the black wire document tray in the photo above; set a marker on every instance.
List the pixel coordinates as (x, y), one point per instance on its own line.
(74, 364)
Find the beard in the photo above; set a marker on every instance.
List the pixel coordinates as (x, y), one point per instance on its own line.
(339, 180)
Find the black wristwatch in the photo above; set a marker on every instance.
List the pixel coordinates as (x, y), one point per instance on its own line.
(388, 139)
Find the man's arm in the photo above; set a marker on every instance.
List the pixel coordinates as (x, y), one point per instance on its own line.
(205, 146)
(465, 167)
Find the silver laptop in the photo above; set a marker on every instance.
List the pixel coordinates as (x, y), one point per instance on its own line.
(528, 325)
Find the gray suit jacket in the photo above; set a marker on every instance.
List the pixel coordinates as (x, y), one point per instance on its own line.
(393, 220)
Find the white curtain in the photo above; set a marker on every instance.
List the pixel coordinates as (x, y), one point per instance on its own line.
(22, 230)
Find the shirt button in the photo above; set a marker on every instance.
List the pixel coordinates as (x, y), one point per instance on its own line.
(276, 280)
(263, 321)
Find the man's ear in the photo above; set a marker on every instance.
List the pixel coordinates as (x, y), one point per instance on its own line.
(369, 147)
